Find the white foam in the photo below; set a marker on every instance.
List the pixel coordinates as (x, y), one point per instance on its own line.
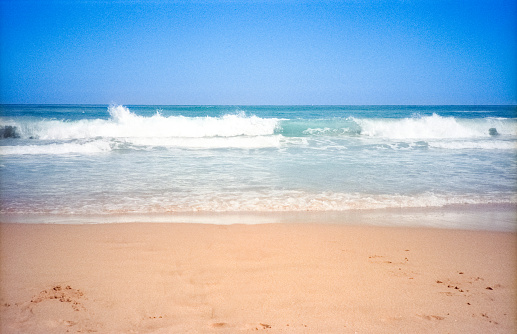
(296, 201)
(242, 142)
(65, 148)
(327, 131)
(483, 144)
(123, 124)
(435, 127)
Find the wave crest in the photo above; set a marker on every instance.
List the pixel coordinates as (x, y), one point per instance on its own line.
(435, 127)
(250, 131)
(125, 124)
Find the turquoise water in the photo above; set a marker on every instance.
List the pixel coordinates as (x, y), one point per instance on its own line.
(103, 160)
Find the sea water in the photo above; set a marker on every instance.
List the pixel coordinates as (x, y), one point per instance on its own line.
(80, 161)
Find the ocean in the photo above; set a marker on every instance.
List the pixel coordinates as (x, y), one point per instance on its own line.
(227, 164)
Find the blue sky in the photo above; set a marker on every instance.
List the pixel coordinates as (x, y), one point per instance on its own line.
(258, 52)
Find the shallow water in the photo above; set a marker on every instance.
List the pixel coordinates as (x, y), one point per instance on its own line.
(162, 160)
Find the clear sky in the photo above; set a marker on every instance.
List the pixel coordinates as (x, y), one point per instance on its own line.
(258, 52)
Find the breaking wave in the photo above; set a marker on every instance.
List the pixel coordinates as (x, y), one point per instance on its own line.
(123, 124)
(436, 127)
(126, 129)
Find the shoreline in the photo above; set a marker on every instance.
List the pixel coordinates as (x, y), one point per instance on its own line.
(206, 278)
(489, 217)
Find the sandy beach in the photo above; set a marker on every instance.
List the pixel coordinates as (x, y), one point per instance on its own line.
(294, 278)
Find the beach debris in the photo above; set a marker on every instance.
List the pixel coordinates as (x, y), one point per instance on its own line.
(431, 317)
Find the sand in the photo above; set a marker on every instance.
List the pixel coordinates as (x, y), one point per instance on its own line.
(275, 278)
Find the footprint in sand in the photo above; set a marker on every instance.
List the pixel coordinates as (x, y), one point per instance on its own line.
(63, 295)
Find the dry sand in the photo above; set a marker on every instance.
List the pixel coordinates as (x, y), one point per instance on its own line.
(194, 278)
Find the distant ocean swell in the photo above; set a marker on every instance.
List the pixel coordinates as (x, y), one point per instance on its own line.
(126, 130)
